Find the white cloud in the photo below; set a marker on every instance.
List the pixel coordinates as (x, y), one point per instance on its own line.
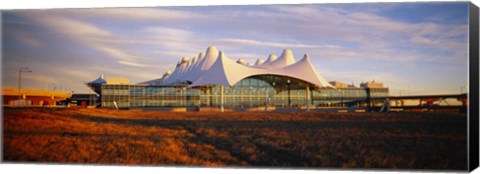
(29, 41)
(135, 14)
(87, 34)
(167, 32)
(169, 38)
(376, 37)
(132, 64)
(423, 40)
(113, 52)
(174, 54)
(73, 28)
(251, 42)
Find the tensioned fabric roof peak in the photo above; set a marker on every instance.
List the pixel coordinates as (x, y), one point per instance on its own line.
(215, 68)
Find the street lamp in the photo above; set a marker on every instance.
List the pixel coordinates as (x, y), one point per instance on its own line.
(22, 69)
(288, 88)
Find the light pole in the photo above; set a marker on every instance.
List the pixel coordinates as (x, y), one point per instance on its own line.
(22, 69)
(288, 92)
(409, 90)
(400, 92)
(341, 97)
(462, 89)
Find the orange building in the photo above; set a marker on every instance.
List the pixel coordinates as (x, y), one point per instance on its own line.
(32, 97)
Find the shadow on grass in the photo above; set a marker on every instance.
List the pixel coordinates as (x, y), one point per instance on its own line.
(350, 143)
(82, 135)
(434, 146)
(443, 126)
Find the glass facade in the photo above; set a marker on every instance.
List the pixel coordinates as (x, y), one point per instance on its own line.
(357, 97)
(254, 91)
(250, 92)
(115, 94)
(160, 96)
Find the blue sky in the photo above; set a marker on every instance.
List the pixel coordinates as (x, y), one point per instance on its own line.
(417, 47)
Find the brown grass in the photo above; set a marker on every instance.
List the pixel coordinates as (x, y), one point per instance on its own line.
(346, 140)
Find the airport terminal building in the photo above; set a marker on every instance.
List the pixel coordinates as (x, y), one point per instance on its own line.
(212, 80)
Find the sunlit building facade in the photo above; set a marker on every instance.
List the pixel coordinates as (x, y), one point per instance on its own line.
(212, 80)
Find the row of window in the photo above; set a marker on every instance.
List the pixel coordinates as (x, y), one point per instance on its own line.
(250, 92)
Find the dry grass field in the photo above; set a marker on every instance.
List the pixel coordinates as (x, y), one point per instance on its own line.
(248, 139)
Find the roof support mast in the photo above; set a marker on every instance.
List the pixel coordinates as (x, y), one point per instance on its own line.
(307, 98)
(222, 90)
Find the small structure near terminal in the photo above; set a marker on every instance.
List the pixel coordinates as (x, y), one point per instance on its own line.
(83, 100)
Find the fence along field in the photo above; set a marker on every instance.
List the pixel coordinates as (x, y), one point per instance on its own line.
(252, 139)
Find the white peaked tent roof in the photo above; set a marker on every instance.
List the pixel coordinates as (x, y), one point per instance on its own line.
(241, 61)
(270, 59)
(259, 61)
(182, 73)
(227, 72)
(99, 80)
(215, 68)
(210, 57)
(194, 59)
(284, 60)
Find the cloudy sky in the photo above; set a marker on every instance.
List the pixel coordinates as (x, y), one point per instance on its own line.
(416, 48)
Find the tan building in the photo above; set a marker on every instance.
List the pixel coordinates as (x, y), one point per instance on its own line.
(371, 84)
(117, 81)
(338, 84)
